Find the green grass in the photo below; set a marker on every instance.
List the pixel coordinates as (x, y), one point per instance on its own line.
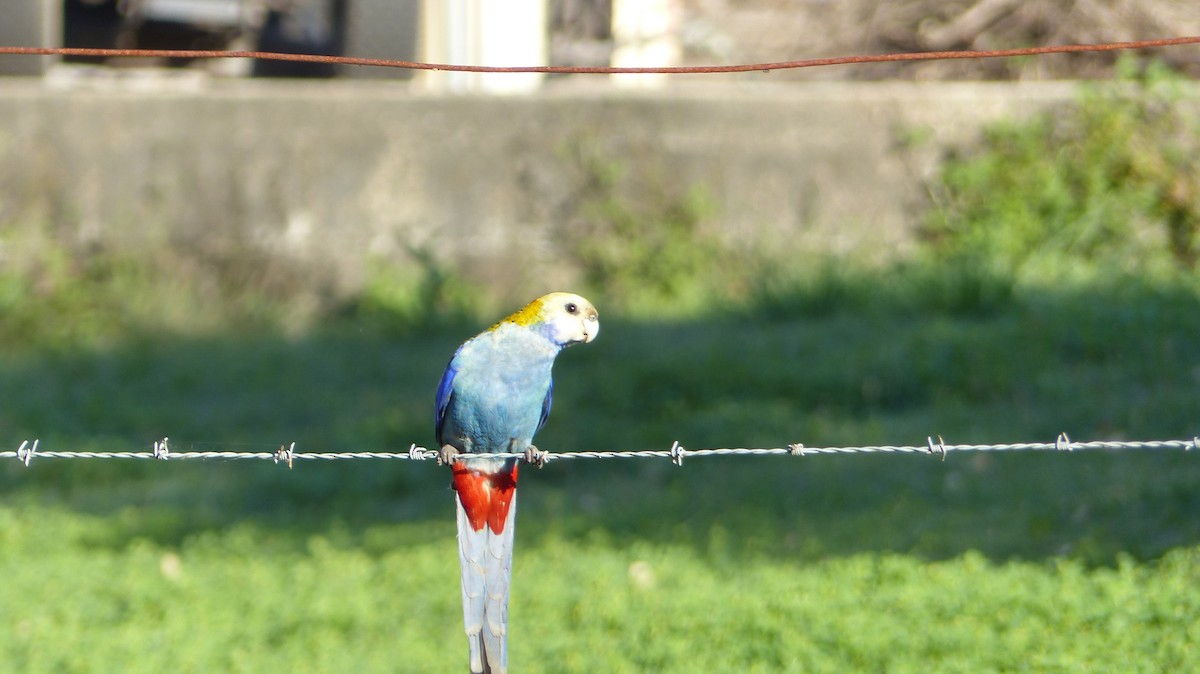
(1047, 562)
(241, 601)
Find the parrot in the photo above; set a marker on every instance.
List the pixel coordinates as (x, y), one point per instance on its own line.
(493, 397)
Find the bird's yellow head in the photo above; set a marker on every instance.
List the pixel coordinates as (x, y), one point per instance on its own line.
(567, 317)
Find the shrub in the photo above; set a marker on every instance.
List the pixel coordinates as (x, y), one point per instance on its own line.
(1111, 183)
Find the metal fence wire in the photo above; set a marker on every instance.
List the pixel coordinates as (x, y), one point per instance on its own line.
(287, 453)
(605, 70)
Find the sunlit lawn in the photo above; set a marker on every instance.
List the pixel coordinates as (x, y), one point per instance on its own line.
(1083, 561)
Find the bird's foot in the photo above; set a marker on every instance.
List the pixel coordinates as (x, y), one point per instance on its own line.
(535, 457)
(447, 454)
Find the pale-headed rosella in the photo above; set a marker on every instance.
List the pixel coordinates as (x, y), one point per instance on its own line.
(493, 397)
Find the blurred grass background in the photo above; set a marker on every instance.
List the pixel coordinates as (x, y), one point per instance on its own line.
(1055, 289)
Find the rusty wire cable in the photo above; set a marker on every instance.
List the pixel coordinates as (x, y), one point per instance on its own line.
(601, 70)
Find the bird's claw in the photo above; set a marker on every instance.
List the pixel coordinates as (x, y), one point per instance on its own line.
(447, 454)
(535, 457)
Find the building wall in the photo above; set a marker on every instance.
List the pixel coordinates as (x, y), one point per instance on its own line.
(327, 175)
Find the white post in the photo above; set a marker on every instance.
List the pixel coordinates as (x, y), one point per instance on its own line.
(484, 33)
(644, 32)
(30, 23)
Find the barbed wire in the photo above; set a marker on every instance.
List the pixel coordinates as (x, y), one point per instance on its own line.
(288, 455)
(600, 70)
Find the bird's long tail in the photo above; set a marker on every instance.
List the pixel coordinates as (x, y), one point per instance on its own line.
(487, 513)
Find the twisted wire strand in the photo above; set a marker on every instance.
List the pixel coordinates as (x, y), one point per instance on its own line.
(288, 454)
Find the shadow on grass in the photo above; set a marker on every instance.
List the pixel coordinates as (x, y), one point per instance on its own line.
(859, 368)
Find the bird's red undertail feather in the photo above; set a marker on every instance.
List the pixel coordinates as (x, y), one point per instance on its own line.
(485, 496)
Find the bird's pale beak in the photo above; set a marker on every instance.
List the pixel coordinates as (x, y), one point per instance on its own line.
(591, 328)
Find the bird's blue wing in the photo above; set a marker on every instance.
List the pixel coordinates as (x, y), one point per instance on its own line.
(546, 406)
(445, 391)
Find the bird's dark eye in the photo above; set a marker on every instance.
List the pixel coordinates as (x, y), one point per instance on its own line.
(571, 308)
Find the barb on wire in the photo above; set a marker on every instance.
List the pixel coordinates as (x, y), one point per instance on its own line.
(25, 452)
(1063, 442)
(676, 453)
(601, 70)
(288, 454)
(938, 449)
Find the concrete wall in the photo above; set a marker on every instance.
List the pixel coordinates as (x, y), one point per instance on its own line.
(326, 175)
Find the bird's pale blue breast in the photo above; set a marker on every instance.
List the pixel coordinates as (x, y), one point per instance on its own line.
(496, 390)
